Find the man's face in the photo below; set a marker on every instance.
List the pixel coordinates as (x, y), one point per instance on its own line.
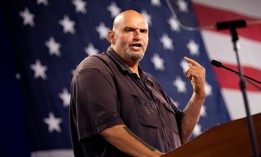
(131, 38)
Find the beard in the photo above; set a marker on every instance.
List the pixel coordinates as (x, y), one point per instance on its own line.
(134, 57)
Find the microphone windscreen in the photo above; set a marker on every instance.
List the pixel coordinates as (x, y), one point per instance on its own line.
(216, 63)
(231, 24)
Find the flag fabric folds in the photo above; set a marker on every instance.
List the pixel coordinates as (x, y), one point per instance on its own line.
(219, 47)
(48, 39)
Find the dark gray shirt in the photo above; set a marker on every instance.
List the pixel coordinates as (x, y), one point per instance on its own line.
(106, 93)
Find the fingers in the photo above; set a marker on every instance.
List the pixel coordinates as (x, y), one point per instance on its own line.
(188, 74)
(194, 69)
(191, 61)
(196, 74)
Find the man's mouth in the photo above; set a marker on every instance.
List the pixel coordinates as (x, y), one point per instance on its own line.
(136, 45)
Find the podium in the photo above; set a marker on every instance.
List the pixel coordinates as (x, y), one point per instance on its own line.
(231, 139)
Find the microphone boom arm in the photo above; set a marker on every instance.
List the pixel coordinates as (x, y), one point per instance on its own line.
(248, 79)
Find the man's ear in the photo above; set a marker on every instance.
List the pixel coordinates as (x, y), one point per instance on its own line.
(110, 36)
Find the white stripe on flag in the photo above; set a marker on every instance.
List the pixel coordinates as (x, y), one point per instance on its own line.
(242, 7)
(219, 47)
(53, 153)
(235, 104)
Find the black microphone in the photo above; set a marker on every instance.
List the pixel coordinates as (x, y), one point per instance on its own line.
(220, 65)
(231, 24)
(216, 63)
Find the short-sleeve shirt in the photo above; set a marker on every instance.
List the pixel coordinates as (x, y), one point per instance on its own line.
(105, 93)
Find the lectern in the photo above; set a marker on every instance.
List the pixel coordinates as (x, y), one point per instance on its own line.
(230, 139)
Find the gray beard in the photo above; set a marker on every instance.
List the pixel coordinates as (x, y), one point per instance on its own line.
(134, 58)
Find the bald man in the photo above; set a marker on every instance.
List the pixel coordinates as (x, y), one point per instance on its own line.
(119, 110)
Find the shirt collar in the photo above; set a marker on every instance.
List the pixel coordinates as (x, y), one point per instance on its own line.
(124, 67)
(120, 62)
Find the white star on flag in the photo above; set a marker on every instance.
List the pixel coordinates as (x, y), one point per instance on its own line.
(183, 6)
(158, 62)
(102, 30)
(175, 102)
(18, 76)
(80, 6)
(156, 3)
(174, 24)
(72, 71)
(193, 47)
(65, 96)
(114, 9)
(39, 70)
(53, 46)
(147, 17)
(53, 123)
(167, 42)
(184, 65)
(68, 25)
(203, 112)
(44, 2)
(180, 85)
(197, 130)
(208, 89)
(91, 50)
(28, 18)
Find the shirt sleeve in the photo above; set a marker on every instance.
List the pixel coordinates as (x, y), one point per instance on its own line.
(96, 104)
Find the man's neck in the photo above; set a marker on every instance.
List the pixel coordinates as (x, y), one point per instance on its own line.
(135, 70)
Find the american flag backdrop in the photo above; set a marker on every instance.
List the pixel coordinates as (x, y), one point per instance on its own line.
(42, 41)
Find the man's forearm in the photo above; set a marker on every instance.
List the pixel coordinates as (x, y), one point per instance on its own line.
(126, 141)
(191, 115)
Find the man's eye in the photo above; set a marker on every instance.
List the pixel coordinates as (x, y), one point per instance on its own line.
(128, 30)
(143, 31)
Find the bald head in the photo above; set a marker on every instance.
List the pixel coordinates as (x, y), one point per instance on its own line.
(127, 15)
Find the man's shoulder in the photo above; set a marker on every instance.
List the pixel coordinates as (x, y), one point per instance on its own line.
(99, 56)
(97, 62)
(94, 61)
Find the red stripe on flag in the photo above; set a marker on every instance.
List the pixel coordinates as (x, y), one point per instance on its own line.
(208, 16)
(230, 80)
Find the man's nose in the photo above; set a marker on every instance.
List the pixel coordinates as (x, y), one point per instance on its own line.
(137, 34)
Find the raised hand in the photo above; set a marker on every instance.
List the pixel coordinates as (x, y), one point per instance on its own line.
(196, 74)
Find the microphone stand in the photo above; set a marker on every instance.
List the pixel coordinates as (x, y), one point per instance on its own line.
(234, 36)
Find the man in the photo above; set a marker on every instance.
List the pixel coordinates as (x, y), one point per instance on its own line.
(117, 109)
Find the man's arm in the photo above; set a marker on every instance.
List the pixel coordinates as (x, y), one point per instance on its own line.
(196, 74)
(126, 141)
